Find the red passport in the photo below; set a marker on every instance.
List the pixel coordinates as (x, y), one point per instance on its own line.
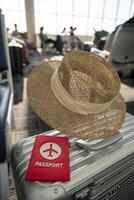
(49, 159)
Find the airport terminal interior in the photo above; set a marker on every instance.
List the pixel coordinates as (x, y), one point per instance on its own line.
(91, 42)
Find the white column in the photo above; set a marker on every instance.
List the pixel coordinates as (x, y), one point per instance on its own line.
(30, 20)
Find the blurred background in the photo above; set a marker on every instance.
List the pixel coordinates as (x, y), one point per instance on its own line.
(54, 15)
(34, 31)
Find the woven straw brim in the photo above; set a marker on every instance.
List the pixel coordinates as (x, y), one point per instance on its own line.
(89, 127)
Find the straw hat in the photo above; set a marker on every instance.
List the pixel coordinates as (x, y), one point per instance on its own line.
(78, 96)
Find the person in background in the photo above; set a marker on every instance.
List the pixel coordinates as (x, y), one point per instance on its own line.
(9, 37)
(64, 31)
(59, 44)
(16, 33)
(72, 30)
(44, 39)
(75, 41)
(21, 38)
(66, 40)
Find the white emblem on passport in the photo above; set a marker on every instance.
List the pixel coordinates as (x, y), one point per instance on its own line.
(50, 150)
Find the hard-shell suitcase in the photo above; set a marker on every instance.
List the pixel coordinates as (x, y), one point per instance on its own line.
(100, 170)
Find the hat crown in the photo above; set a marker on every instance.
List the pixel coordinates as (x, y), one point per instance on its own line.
(87, 77)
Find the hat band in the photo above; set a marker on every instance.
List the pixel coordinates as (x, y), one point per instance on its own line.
(76, 106)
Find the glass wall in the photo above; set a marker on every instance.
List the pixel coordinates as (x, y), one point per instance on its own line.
(86, 15)
(54, 15)
(14, 11)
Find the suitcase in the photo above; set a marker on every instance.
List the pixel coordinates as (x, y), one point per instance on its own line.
(100, 169)
(16, 59)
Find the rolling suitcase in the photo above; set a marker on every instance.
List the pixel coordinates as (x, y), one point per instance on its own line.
(16, 58)
(100, 169)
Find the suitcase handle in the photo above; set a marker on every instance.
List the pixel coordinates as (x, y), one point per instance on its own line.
(99, 145)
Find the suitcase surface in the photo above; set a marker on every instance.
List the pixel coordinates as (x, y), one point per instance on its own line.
(100, 170)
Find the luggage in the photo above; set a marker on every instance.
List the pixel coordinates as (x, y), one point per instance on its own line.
(4, 106)
(87, 47)
(16, 58)
(100, 169)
